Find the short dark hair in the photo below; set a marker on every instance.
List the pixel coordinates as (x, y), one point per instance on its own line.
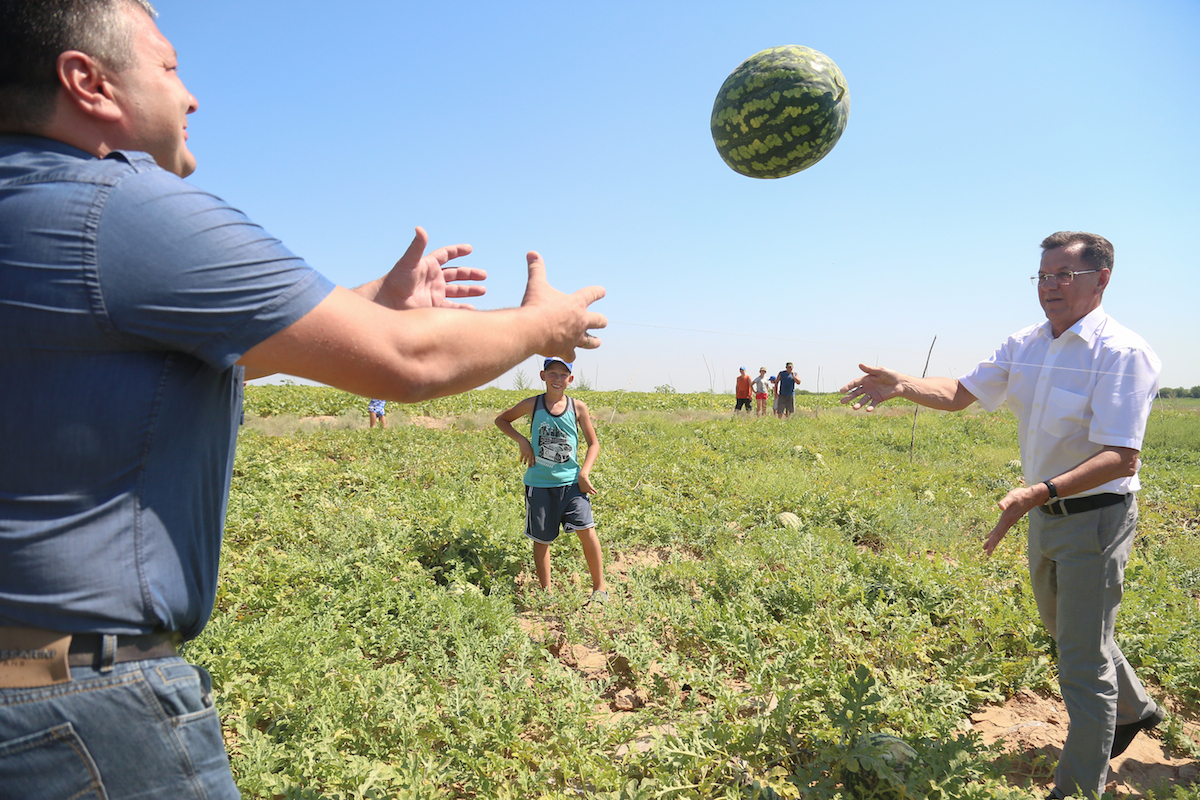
(36, 32)
(1097, 251)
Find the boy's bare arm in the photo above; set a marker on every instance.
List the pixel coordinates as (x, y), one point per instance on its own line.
(584, 418)
(505, 423)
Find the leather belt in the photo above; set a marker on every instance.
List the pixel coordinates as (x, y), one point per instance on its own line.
(1077, 505)
(88, 649)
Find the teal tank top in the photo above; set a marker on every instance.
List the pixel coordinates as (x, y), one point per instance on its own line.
(555, 443)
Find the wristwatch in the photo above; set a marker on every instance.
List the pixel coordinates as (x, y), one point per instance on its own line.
(1053, 493)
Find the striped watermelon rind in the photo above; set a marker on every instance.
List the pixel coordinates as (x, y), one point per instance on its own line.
(782, 110)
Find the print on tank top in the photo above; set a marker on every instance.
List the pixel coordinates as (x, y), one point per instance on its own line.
(553, 445)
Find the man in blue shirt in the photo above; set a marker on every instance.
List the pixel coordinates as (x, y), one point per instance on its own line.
(146, 300)
(786, 383)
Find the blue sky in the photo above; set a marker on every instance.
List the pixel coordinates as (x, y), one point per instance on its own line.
(581, 131)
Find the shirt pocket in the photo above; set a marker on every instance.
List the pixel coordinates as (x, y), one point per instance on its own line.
(1066, 413)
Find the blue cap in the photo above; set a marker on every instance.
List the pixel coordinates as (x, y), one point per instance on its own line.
(552, 359)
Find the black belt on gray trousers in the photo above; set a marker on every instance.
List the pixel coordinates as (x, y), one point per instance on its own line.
(1077, 505)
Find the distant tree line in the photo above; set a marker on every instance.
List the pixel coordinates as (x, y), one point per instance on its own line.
(1180, 392)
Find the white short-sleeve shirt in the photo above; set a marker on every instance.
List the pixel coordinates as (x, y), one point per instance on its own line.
(1090, 388)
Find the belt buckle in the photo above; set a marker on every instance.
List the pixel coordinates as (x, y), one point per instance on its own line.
(1055, 512)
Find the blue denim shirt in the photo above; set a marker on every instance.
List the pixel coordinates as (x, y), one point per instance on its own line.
(126, 297)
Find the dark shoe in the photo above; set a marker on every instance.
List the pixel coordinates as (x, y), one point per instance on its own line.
(1055, 794)
(1124, 733)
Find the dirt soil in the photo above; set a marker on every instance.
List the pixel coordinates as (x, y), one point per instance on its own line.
(1033, 728)
(436, 423)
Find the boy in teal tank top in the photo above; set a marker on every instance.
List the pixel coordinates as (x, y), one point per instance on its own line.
(556, 485)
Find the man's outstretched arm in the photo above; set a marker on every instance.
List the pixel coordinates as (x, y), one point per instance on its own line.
(877, 385)
(410, 355)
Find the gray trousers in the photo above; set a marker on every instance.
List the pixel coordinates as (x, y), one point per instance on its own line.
(1076, 566)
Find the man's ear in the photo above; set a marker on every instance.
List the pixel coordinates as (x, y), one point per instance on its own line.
(1104, 276)
(87, 85)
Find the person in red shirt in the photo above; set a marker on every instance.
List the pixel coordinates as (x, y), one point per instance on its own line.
(743, 392)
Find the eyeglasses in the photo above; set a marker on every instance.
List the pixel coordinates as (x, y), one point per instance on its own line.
(1050, 279)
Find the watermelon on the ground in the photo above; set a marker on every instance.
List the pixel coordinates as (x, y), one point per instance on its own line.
(782, 110)
(878, 771)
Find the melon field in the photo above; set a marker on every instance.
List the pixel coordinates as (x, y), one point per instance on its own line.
(779, 590)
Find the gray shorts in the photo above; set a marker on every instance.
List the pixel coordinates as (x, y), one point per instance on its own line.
(548, 508)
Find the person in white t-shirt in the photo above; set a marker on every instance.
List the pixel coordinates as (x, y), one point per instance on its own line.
(761, 386)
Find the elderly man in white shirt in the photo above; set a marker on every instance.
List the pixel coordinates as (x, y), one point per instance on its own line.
(1081, 386)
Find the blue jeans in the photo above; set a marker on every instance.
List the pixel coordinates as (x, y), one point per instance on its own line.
(1077, 568)
(147, 729)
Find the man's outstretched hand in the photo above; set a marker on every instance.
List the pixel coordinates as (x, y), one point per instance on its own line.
(566, 316)
(424, 281)
(1013, 506)
(875, 386)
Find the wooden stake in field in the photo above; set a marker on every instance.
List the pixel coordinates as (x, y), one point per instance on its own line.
(617, 402)
(912, 444)
(817, 403)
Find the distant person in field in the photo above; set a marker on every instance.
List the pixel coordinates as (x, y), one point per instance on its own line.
(148, 301)
(742, 392)
(1081, 386)
(774, 379)
(761, 386)
(377, 410)
(556, 484)
(786, 382)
